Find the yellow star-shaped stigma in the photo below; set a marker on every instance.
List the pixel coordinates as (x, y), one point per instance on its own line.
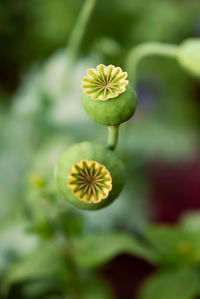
(89, 181)
(104, 82)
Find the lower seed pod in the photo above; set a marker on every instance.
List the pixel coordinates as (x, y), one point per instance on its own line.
(90, 176)
(107, 97)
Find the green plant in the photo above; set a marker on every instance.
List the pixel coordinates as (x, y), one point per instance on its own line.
(186, 54)
(61, 259)
(90, 176)
(108, 100)
(107, 97)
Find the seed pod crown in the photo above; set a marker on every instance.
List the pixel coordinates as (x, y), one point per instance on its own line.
(89, 181)
(104, 82)
(89, 176)
(108, 97)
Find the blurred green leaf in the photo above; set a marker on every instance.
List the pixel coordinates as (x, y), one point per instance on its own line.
(191, 222)
(70, 222)
(94, 250)
(95, 288)
(14, 244)
(182, 284)
(43, 262)
(37, 288)
(174, 246)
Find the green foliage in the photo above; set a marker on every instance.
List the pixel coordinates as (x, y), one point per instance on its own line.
(95, 250)
(175, 246)
(191, 222)
(95, 288)
(36, 265)
(45, 244)
(182, 284)
(178, 249)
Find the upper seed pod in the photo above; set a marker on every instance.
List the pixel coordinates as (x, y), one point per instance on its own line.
(89, 176)
(107, 97)
(188, 55)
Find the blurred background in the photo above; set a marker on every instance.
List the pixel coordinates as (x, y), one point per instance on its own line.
(147, 241)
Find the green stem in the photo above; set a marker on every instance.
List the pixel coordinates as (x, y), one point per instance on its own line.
(64, 243)
(144, 50)
(79, 29)
(74, 42)
(113, 132)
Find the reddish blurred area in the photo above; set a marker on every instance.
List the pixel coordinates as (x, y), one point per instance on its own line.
(125, 274)
(175, 189)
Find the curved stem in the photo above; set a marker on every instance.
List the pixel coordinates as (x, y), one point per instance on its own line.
(79, 29)
(113, 132)
(147, 49)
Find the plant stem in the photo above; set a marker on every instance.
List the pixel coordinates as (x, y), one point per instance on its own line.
(74, 42)
(113, 132)
(79, 29)
(64, 243)
(144, 50)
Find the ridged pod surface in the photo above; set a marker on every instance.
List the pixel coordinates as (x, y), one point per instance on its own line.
(90, 176)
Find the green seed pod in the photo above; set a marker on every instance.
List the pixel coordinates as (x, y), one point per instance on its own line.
(188, 55)
(107, 97)
(90, 176)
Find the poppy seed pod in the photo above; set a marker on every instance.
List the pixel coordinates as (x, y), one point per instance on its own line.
(188, 55)
(90, 176)
(107, 97)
